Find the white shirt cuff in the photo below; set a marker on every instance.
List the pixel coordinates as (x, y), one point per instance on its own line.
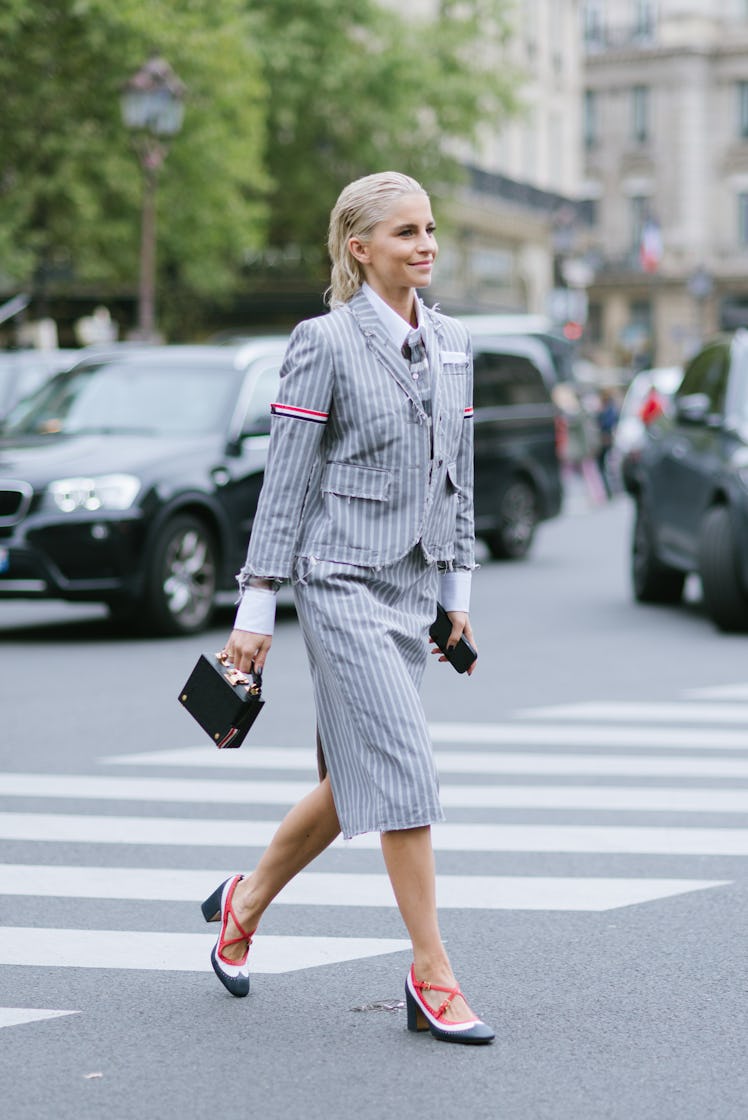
(256, 611)
(454, 590)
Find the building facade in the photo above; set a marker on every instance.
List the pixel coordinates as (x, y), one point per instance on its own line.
(665, 136)
(499, 245)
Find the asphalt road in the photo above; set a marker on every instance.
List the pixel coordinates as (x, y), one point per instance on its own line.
(592, 872)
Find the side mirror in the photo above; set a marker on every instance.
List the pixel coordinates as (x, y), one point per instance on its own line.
(693, 408)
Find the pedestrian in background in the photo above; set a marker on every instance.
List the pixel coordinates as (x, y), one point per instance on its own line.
(367, 507)
(607, 422)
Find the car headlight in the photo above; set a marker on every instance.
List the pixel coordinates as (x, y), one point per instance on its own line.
(104, 492)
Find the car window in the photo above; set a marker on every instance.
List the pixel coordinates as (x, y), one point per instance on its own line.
(707, 374)
(264, 392)
(506, 379)
(150, 398)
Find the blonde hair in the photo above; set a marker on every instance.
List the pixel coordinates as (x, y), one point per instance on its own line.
(361, 206)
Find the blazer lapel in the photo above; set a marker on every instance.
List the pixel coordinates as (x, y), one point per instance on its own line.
(381, 345)
(433, 341)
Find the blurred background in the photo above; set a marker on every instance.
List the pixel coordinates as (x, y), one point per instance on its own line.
(588, 161)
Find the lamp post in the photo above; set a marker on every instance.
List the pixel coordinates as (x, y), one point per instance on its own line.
(152, 104)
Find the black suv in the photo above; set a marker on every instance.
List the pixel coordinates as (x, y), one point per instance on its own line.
(517, 473)
(691, 489)
(132, 480)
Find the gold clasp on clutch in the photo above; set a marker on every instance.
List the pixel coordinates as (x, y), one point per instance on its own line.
(234, 677)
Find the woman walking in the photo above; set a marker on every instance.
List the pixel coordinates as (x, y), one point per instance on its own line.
(367, 507)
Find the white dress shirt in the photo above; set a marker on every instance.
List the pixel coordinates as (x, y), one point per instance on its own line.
(256, 610)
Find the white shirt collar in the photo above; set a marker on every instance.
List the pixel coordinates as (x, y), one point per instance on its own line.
(398, 329)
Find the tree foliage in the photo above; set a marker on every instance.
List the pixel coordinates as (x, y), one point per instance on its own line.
(70, 185)
(286, 102)
(358, 88)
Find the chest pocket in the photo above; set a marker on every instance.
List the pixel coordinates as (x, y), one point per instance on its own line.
(351, 480)
(454, 362)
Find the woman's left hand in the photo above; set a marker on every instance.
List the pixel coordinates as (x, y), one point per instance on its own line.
(460, 628)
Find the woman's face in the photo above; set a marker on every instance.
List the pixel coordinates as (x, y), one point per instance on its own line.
(401, 251)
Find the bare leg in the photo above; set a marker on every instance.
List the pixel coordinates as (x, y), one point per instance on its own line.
(409, 858)
(305, 832)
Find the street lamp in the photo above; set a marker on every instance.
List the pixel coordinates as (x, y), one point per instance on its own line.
(152, 104)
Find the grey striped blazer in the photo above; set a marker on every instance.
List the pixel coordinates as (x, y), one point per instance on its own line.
(350, 475)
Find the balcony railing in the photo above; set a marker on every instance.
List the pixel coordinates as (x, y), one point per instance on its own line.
(643, 33)
(531, 198)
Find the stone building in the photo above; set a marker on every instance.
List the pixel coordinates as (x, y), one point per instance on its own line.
(665, 133)
(521, 200)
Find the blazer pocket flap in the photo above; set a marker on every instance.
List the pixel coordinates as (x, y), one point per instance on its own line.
(452, 477)
(350, 480)
(454, 358)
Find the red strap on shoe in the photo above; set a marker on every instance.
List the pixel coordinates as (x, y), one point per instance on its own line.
(223, 941)
(424, 986)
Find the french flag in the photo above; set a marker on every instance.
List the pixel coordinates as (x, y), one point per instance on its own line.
(650, 246)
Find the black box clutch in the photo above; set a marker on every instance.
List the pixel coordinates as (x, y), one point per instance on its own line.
(224, 701)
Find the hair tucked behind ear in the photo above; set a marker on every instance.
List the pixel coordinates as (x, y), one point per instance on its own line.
(361, 206)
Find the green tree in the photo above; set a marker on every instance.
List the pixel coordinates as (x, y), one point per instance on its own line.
(70, 187)
(286, 101)
(357, 88)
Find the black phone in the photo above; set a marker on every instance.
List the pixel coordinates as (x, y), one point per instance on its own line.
(460, 656)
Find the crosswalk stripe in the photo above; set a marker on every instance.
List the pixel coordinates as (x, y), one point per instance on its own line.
(720, 692)
(15, 1016)
(176, 952)
(642, 712)
(172, 831)
(472, 892)
(236, 792)
(598, 735)
(458, 762)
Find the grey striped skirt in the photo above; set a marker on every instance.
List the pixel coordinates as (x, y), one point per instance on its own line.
(366, 636)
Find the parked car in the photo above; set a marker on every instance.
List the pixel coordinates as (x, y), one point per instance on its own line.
(648, 399)
(517, 472)
(691, 489)
(23, 371)
(132, 479)
(536, 327)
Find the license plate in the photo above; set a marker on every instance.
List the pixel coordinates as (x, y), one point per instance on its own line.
(4, 560)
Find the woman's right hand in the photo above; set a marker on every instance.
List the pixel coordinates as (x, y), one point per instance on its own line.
(247, 651)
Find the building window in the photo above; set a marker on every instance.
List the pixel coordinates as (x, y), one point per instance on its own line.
(639, 216)
(640, 114)
(743, 218)
(593, 22)
(645, 18)
(742, 89)
(590, 118)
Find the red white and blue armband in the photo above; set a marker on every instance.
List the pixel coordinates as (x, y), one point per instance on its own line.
(295, 413)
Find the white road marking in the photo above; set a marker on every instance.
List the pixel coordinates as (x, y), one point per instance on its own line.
(471, 892)
(460, 762)
(638, 711)
(176, 952)
(171, 831)
(598, 735)
(720, 692)
(14, 1016)
(488, 796)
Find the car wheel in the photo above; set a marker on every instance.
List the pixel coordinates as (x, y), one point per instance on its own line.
(181, 582)
(518, 518)
(725, 600)
(653, 581)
